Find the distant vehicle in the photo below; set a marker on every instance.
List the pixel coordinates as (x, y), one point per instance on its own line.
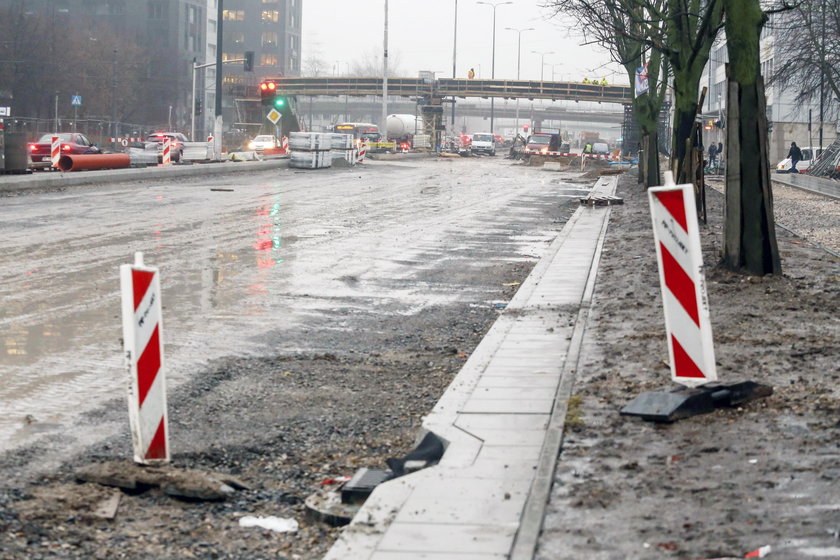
(358, 130)
(176, 144)
(601, 148)
(541, 142)
(71, 143)
(802, 166)
(402, 128)
(483, 142)
(263, 141)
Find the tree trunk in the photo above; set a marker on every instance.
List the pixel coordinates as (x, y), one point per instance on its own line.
(647, 115)
(749, 228)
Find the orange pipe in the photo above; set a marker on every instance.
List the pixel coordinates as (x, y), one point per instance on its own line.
(79, 162)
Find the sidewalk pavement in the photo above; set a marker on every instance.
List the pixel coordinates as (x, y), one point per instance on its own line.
(502, 418)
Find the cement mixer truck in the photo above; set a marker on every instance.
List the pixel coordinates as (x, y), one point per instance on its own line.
(402, 128)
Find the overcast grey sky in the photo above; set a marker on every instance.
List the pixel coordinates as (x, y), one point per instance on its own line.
(420, 34)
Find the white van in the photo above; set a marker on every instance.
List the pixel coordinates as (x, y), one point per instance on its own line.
(804, 164)
(483, 142)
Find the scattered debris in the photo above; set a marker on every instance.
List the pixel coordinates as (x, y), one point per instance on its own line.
(759, 552)
(276, 524)
(499, 305)
(181, 483)
(107, 508)
(601, 200)
(361, 486)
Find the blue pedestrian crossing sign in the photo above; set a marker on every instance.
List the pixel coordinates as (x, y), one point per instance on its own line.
(75, 100)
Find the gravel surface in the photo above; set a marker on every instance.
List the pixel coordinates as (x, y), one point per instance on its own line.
(283, 423)
(726, 483)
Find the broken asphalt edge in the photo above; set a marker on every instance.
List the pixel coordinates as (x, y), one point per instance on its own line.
(361, 537)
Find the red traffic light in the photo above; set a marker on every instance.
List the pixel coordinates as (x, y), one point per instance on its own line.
(268, 87)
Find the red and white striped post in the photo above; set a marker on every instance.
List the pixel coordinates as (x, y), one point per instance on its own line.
(689, 330)
(143, 343)
(55, 152)
(284, 144)
(360, 157)
(166, 157)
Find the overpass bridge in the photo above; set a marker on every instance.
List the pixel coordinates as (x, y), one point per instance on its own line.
(453, 88)
(431, 94)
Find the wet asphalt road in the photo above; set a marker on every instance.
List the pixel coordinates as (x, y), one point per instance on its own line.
(240, 256)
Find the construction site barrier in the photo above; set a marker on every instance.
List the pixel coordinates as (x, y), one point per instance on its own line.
(80, 162)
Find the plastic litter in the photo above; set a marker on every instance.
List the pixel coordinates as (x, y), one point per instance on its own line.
(759, 552)
(276, 524)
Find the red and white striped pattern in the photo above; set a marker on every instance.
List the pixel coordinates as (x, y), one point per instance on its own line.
(284, 144)
(571, 154)
(689, 330)
(166, 157)
(362, 152)
(143, 341)
(55, 151)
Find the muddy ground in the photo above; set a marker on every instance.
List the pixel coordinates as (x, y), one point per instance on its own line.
(281, 425)
(722, 484)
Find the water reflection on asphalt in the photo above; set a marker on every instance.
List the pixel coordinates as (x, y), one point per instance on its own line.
(271, 252)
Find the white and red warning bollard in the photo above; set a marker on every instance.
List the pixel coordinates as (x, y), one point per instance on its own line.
(677, 236)
(284, 144)
(362, 153)
(143, 343)
(166, 158)
(55, 152)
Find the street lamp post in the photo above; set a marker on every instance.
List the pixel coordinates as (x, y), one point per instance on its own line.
(518, 63)
(542, 61)
(493, 5)
(454, 51)
(553, 66)
(385, 75)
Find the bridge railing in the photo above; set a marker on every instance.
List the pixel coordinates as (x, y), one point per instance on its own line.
(453, 87)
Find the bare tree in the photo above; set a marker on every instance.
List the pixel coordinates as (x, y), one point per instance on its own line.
(607, 23)
(807, 61)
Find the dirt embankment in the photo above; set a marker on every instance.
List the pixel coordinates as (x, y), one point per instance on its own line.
(723, 484)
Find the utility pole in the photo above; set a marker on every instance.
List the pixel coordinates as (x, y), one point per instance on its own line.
(454, 51)
(822, 78)
(493, 5)
(518, 63)
(385, 77)
(114, 100)
(217, 125)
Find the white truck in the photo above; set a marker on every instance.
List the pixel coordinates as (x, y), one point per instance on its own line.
(402, 129)
(483, 142)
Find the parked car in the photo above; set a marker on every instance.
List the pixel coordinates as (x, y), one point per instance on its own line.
(804, 165)
(71, 143)
(263, 141)
(176, 144)
(483, 142)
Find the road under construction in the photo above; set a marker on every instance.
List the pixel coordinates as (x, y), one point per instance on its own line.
(429, 97)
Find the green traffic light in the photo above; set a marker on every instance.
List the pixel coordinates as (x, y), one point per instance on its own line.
(279, 102)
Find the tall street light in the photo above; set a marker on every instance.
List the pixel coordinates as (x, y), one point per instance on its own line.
(493, 5)
(385, 76)
(542, 61)
(454, 51)
(519, 32)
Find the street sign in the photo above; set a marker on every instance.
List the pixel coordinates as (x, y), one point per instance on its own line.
(273, 116)
(76, 100)
(5, 111)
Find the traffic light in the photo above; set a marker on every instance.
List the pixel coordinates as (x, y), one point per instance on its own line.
(249, 61)
(268, 91)
(279, 103)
